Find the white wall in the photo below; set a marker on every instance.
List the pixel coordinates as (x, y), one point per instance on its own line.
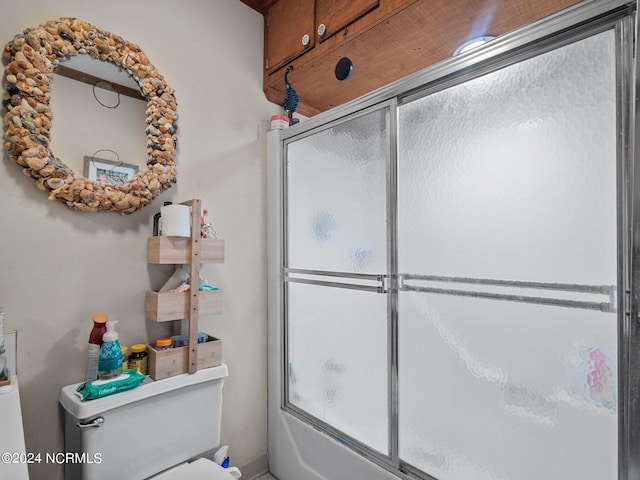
(57, 266)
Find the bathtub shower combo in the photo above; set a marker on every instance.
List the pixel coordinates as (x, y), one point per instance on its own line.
(453, 267)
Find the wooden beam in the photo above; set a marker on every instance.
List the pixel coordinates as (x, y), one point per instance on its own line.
(260, 6)
(98, 82)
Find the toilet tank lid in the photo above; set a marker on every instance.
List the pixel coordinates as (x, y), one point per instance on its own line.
(87, 409)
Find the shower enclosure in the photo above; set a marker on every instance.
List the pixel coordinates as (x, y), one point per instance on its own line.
(453, 268)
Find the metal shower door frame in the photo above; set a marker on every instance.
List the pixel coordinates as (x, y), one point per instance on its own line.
(580, 21)
(380, 283)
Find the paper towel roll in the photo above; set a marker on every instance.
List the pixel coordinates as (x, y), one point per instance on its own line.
(176, 220)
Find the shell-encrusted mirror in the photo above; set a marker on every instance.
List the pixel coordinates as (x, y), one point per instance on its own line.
(31, 58)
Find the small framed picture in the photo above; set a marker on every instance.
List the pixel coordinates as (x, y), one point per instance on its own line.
(108, 171)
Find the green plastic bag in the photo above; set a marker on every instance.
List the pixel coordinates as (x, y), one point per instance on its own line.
(101, 388)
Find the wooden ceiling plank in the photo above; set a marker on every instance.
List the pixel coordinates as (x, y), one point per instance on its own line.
(412, 39)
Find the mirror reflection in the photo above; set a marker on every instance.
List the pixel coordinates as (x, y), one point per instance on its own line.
(87, 111)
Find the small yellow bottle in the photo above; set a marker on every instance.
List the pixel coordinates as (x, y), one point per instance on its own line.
(125, 357)
(138, 358)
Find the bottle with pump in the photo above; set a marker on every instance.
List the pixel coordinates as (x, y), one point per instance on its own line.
(110, 360)
(95, 342)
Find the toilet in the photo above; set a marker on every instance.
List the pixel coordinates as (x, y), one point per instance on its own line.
(165, 430)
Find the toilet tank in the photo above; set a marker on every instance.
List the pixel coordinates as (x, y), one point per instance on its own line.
(136, 434)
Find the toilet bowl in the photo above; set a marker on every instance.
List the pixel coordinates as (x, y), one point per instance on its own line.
(166, 429)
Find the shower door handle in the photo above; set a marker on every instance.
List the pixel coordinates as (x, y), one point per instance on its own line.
(96, 422)
(371, 282)
(591, 297)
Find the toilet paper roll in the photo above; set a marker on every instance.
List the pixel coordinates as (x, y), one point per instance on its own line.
(176, 220)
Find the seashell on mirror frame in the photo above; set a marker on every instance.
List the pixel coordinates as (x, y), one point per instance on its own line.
(30, 61)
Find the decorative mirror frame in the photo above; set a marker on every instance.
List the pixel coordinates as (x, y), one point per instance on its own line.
(32, 57)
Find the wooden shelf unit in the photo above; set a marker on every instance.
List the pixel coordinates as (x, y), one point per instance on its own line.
(178, 250)
(166, 307)
(189, 306)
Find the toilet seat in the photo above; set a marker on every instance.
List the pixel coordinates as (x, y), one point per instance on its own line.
(200, 469)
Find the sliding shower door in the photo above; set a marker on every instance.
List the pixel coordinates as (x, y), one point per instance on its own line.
(508, 259)
(337, 255)
(453, 273)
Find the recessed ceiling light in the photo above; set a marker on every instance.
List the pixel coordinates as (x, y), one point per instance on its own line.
(471, 44)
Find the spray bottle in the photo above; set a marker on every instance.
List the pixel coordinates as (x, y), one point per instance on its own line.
(95, 342)
(110, 361)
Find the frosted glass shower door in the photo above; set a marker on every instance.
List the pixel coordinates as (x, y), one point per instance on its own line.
(336, 257)
(508, 257)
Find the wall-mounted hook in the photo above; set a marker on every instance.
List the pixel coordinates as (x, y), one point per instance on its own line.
(344, 67)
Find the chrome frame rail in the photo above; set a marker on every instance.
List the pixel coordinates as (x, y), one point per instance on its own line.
(373, 277)
(629, 327)
(609, 290)
(358, 276)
